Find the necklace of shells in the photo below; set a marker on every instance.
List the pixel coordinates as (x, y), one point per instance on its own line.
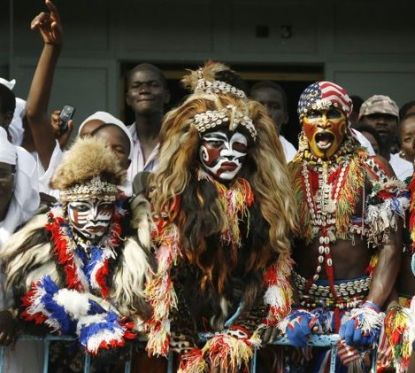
(323, 208)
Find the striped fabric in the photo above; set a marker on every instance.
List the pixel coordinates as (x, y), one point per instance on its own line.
(324, 94)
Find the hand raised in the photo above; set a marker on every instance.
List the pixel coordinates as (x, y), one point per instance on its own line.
(49, 25)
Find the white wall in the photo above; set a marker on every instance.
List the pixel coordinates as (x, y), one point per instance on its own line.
(365, 45)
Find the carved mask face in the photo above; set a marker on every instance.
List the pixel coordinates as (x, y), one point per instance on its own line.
(222, 153)
(90, 219)
(325, 131)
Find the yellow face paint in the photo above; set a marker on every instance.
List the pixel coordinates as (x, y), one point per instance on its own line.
(325, 131)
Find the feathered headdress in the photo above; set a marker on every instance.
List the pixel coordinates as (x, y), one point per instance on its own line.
(214, 78)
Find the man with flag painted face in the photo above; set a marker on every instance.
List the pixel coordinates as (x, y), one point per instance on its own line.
(347, 248)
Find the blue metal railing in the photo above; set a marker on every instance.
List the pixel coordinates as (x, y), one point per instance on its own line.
(46, 343)
(326, 341)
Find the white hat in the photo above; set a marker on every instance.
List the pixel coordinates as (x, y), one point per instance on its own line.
(9, 84)
(107, 118)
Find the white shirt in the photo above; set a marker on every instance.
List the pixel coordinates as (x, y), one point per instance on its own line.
(402, 168)
(24, 203)
(289, 149)
(137, 160)
(363, 141)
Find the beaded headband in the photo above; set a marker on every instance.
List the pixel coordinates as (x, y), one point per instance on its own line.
(91, 189)
(214, 118)
(216, 86)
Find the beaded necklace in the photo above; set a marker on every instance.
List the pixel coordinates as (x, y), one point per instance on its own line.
(323, 212)
(330, 207)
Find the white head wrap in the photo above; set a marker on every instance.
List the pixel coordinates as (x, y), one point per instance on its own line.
(105, 117)
(16, 129)
(25, 199)
(9, 84)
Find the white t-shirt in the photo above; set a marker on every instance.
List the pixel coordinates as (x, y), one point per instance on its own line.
(364, 141)
(289, 149)
(402, 168)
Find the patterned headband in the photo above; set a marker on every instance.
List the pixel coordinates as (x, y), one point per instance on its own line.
(214, 118)
(94, 188)
(216, 86)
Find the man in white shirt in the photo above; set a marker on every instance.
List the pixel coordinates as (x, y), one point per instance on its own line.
(19, 199)
(147, 94)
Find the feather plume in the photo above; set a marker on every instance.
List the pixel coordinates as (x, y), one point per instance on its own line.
(207, 72)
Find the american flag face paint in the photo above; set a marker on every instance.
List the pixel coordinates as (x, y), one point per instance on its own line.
(222, 153)
(325, 130)
(90, 219)
(323, 95)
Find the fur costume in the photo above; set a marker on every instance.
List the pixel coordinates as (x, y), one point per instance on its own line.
(93, 290)
(223, 249)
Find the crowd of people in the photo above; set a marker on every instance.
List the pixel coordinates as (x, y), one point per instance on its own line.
(202, 231)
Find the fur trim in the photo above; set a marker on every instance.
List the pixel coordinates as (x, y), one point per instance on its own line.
(130, 277)
(86, 159)
(16, 241)
(31, 263)
(141, 220)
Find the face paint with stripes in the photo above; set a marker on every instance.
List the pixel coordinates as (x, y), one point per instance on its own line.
(325, 131)
(90, 219)
(222, 153)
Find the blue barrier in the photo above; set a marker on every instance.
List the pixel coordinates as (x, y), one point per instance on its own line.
(46, 342)
(331, 340)
(315, 340)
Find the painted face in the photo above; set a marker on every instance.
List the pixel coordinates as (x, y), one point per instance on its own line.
(407, 137)
(325, 131)
(222, 153)
(90, 218)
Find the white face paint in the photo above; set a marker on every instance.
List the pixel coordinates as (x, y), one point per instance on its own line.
(90, 218)
(222, 153)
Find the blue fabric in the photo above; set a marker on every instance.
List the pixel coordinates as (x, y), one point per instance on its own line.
(96, 254)
(87, 331)
(351, 332)
(58, 313)
(299, 327)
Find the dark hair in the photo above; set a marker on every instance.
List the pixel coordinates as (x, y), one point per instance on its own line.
(148, 67)
(405, 108)
(232, 78)
(272, 85)
(364, 127)
(407, 116)
(106, 125)
(7, 100)
(357, 102)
